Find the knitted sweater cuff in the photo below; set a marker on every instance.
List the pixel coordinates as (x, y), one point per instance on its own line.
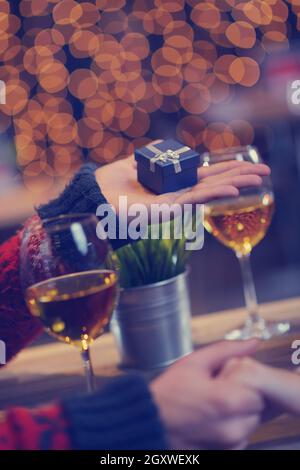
(82, 195)
(120, 416)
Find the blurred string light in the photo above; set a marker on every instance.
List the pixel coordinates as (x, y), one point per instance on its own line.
(203, 52)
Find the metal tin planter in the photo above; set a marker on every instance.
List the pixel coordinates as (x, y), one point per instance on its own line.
(152, 324)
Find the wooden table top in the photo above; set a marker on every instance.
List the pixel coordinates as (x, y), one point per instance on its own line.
(51, 371)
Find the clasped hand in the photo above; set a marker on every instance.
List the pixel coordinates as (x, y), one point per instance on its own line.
(216, 397)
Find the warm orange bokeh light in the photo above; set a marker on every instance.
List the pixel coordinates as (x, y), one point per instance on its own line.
(84, 43)
(206, 15)
(16, 97)
(83, 83)
(195, 70)
(241, 34)
(97, 77)
(53, 76)
(258, 11)
(67, 12)
(156, 20)
(190, 130)
(195, 98)
(222, 67)
(245, 71)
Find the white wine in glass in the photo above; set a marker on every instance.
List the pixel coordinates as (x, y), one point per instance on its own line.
(240, 224)
(74, 308)
(70, 282)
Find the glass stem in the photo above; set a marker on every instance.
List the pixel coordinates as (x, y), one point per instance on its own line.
(88, 369)
(254, 319)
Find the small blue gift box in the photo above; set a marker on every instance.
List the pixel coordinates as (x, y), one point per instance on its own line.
(167, 166)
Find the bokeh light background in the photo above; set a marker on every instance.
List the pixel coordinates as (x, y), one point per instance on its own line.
(95, 79)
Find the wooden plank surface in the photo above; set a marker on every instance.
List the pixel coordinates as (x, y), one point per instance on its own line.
(52, 371)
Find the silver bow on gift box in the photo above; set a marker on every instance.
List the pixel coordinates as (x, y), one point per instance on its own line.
(166, 156)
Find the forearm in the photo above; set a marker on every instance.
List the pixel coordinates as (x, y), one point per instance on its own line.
(84, 195)
(120, 416)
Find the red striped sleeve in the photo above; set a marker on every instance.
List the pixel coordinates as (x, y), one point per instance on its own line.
(17, 326)
(43, 429)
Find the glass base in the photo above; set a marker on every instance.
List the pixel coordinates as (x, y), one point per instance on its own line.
(263, 330)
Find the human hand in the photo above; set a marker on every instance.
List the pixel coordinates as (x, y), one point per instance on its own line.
(280, 387)
(199, 408)
(220, 180)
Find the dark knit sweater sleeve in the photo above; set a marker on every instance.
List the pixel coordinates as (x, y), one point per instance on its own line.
(17, 326)
(82, 195)
(121, 416)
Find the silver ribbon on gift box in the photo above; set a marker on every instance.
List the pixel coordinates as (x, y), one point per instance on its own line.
(166, 156)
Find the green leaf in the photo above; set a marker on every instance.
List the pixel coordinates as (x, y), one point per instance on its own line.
(150, 261)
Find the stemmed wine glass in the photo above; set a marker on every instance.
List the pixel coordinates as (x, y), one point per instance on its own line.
(241, 223)
(69, 279)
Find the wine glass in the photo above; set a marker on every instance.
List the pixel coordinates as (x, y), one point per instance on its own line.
(240, 223)
(69, 279)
